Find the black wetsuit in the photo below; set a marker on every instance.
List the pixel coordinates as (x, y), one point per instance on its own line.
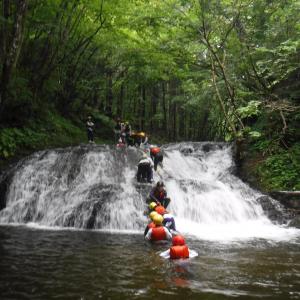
(144, 172)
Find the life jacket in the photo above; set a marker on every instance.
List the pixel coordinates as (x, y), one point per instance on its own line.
(151, 225)
(158, 234)
(177, 252)
(154, 150)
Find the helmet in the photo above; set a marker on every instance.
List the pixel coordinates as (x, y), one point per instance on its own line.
(152, 205)
(158, 219)
(160, 183)
(142, 134)
(160, 209)
(152, 214)
(178, 240)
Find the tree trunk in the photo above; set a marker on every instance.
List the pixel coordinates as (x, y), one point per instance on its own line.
(109, 94)
(12, 52)
(154, 98)
(164, 107)
(142, 108)
(120, 102)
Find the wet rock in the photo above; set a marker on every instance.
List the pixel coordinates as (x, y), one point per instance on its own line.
(288, 199)
(295, 222)
(274, 210)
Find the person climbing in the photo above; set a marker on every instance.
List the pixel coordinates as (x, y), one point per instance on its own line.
(151, 224)
(145, 166)
(118, 129)
(90, 129)
(159, 232)
(159, 195)
(156, 155)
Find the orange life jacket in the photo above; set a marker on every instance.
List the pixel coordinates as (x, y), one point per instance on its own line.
(151, 225)
(158, 234)
(177, 252)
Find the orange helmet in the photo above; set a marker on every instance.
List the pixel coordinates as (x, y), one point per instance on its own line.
(160, 209)
(178, 240)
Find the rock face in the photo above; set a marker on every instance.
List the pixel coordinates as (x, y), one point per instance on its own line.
(275, 210)
(288, 199)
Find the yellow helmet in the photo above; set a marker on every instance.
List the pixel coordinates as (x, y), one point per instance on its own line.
(152, 214)
(152, 205)
(158, 219)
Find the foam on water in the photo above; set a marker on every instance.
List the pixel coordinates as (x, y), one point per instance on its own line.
(95, 188)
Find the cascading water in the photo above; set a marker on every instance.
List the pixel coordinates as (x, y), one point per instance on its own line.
(95, 187)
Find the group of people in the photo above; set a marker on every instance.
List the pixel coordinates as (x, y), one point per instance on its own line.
(125, 136)
(162, 225)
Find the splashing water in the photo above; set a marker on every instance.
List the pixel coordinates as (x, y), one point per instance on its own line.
(94, 187)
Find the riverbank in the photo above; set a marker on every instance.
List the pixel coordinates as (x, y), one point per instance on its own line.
(51, 132)
(271, 172)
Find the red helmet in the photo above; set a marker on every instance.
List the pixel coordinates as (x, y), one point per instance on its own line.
(178, 240)
(160, 209)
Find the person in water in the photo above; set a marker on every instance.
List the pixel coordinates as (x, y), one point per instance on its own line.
(159, 195)
(178, 250)
(159, 232)
(156, 155)
(151, 224)
(145, 166)
(169, 220)
(90, 129)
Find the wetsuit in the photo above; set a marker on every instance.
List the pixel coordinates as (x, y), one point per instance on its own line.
(145, 170)
(159, 197)
(156, 156)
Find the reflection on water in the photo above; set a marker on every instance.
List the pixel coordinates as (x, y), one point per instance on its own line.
(39, 264)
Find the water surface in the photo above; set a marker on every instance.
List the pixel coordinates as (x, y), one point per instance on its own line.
(68, 264)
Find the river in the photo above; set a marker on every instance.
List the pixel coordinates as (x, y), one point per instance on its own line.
(73, 222)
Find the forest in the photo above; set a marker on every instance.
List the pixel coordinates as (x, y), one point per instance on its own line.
(197, 70)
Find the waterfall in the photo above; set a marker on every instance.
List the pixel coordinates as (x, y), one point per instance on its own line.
(94, 187)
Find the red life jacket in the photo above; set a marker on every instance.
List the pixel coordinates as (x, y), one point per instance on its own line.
(177, 252)
(154, 150)
(158, 234)
(151, 225)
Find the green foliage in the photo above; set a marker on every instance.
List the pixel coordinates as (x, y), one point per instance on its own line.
(251, 110)
(180, 70)
(282, 171)
(54, 131)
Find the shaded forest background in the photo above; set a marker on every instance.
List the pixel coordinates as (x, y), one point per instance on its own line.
(225, 70)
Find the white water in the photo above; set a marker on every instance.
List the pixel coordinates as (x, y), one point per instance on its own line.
(95, 188)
